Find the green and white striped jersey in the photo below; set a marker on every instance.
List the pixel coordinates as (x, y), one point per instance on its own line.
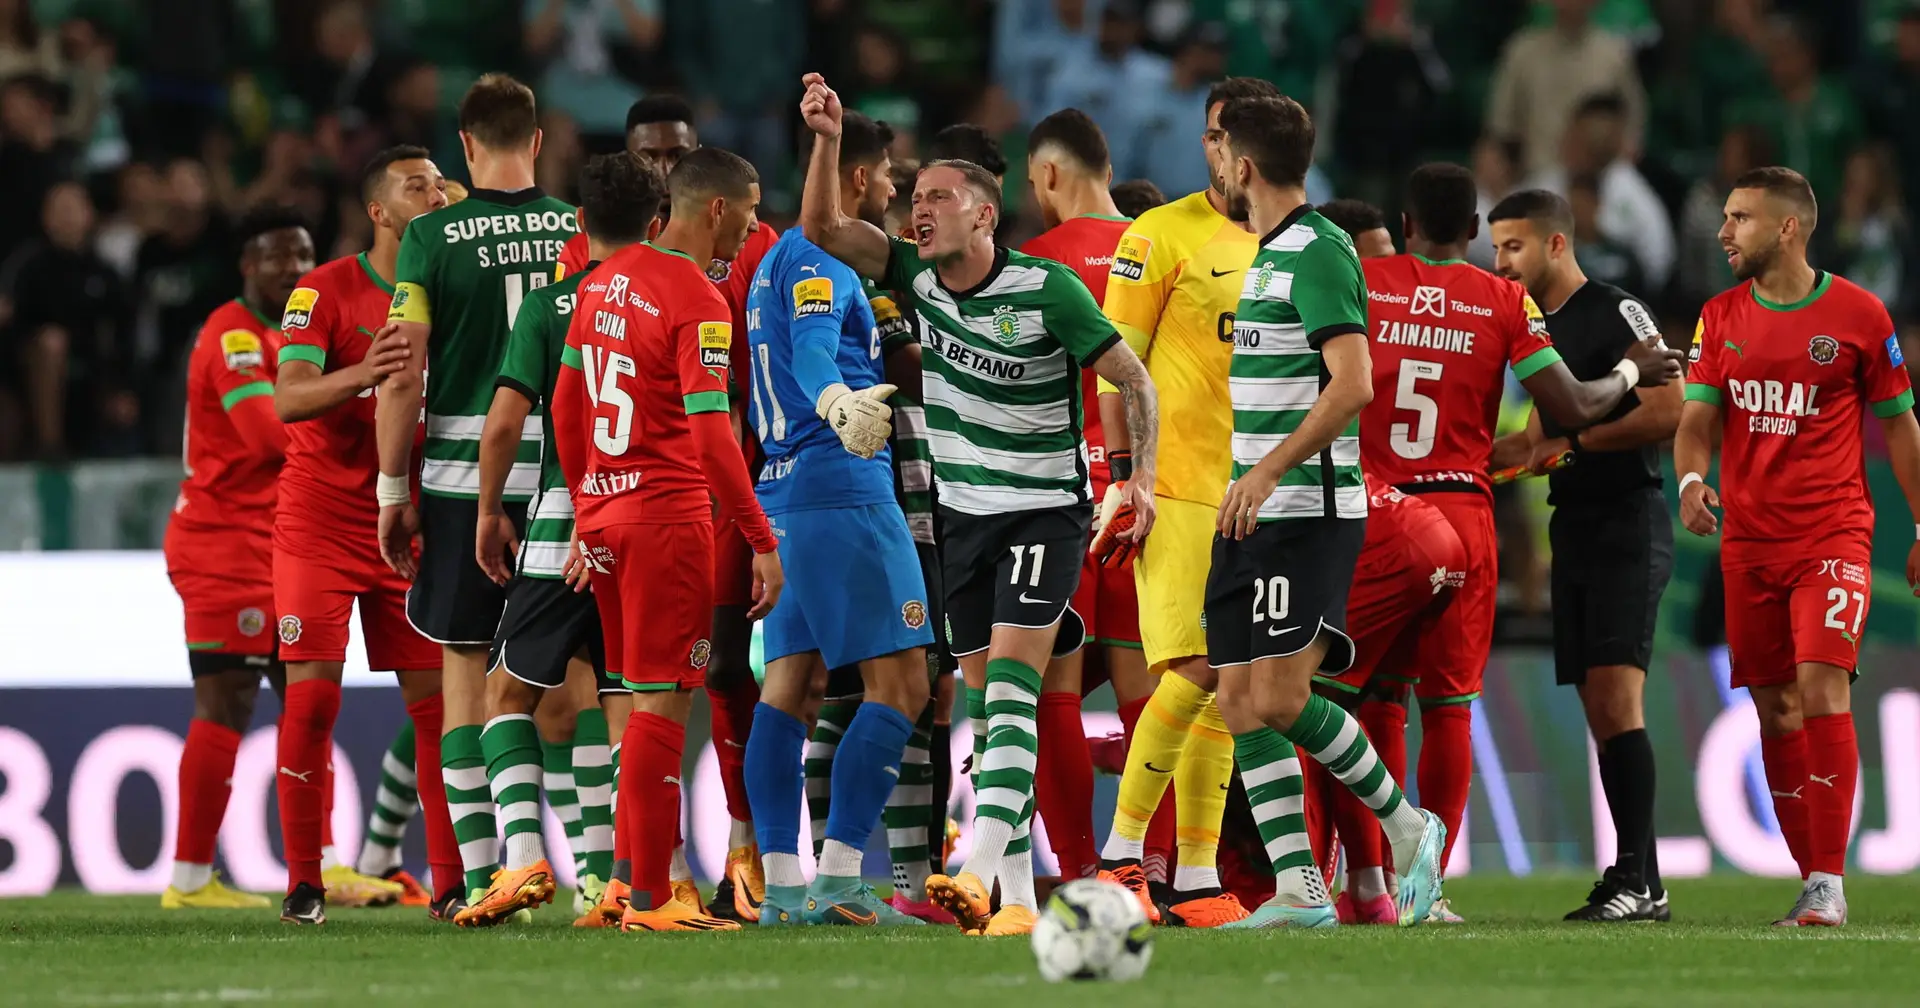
(1001, 367)
(1304, 288)
(530, 367)
(912, 456)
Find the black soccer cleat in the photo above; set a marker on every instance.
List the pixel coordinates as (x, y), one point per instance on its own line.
(721, 905)
(1618, 900)
(446, 906)
(306, 904)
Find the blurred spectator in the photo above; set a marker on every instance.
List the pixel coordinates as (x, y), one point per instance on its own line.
(1723, 63)
(188, 48)
(593, 50)
(33, 155)
(879, 86)
(740, 61)
(1284, 41)
(1545, 71)
(1137, 196)
(1112, 79)
(1603, 257)
(946, 39)
(1703, 265)
(1387, 81)
(67, 324)
(561, 155)
(93, 85)
(1171, 120)
(24, 48)
(183, 272)
(1494, 177)
(1870, 231)
(1030, 37)
(1893, 85)
(1812, 120)
(414, 113)
(139, 209)
(1630, 211)
(340, 74)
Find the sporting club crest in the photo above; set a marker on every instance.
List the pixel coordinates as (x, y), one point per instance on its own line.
(1006, 325)
(1262, 279)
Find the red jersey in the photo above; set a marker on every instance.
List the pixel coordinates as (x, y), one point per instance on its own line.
(651, 342)
(1086, 244)
(1792, 383)
(229, 482)
(1442, 335)
(327, 496)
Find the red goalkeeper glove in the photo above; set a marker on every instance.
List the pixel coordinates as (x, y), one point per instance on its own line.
(1115, 518)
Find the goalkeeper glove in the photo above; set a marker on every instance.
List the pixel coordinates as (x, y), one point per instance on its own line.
(1115, 518)
(860, 419)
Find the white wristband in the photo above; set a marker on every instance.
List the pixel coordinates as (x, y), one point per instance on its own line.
(391, 490)
(1916, 533)
(1692, 478)
(1628, 370)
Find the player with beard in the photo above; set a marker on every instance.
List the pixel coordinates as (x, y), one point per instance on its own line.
(1363, 222)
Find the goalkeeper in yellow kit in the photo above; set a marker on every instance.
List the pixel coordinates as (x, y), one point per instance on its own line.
(1176, 280)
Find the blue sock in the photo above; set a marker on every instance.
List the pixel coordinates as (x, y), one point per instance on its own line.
(774, 783)
(865, 770)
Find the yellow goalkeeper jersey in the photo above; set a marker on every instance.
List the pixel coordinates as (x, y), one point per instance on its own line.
(1175, 283)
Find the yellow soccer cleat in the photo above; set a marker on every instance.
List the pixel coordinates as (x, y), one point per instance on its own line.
(749, 884)
(512, 892)
(677, 915)
(213, 896)
(1012, 919)
(964, 896)
(685, 891)
(349, 888)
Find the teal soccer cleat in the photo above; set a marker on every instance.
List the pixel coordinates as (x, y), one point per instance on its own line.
(1420, 882)
(783, 907)
(853, 903)
(1275, 913)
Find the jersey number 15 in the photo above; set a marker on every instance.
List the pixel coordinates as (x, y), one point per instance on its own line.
(602, 369)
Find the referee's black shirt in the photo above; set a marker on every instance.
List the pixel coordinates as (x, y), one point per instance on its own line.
(1592, 331)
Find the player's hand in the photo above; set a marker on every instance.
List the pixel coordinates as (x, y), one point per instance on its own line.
(399, 535)
(768, 579)
(1240, 511)
(862, 420)
(387, 355)
(1913, 569)
(1113, 544)
(495, 546)
(1658, 365)
(1698, 498)
(820, 106)
(1545, 453)
(577, 571)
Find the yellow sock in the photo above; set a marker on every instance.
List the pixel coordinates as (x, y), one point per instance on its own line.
(1200, 799)
(1157, 741)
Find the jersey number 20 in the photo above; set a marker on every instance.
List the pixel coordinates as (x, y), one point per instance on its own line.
(602, 370)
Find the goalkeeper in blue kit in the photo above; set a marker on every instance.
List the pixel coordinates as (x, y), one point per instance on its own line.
(856, 595)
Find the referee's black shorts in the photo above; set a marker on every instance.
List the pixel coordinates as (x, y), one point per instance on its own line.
(1611, 562)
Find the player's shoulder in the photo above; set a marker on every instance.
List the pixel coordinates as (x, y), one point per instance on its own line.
(231, 316)
(335, 275)
(1859, 304)
(1025, 271)
(1606, 303)
(1727, 301)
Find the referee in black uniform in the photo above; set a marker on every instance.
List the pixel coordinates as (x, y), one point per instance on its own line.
(1611, 536)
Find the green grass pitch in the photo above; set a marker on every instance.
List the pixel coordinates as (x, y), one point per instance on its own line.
(73, 949)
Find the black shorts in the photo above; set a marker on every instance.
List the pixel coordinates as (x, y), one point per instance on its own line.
(452, 601)
(845, 681)
(544, 625)
(1611, 562)
(1271, 594)
(206, 663)
(1018, 569)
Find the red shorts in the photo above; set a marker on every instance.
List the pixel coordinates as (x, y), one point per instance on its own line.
(225, 583)
(732, 566)
(1106, 603)
(654, 587)
(1782, 614)
(1409, 572)
(1453, 644)
(315, 599)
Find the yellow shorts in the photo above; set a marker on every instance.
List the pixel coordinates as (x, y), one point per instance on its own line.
(1170, 577)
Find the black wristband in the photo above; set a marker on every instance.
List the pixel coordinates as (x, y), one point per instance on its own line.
(1573, 441)
(1120, 465)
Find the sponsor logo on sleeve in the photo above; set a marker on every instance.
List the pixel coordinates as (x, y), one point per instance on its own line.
(1823, 349)
(1130, 258)
(241, 348)
(813, 296)
(715, 339)
(299, 311)
(1699, 340)
(887, 316)
(1639, 319)
(1894, 356)
(1536, 319)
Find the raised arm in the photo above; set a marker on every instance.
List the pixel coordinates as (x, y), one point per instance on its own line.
(1575, 404)
(1139, 405)
(852, 241)
(1903, 451)
(302, 390)
(1651, 422)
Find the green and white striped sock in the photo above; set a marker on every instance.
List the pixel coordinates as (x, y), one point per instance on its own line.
(593, 782)
(835, 715)
(393, 806)
(512, 746)
(1334, 739)
(556, 778)
(1275, 788)
(463, 766)
(977, 720)
(1016, 865)
(1003, 795)
(909, 813)
(622, 869)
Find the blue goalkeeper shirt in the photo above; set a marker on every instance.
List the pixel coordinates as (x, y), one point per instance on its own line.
(809, 326)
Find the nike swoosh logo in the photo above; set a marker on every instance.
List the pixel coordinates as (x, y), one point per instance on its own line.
(1226, 787)
(1274, 631)
(892, 771)
(858, 919)
(1033, 601)
(1217, 274)
(1149, 765)
(302, 777)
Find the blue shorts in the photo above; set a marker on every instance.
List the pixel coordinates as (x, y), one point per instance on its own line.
(854, 589)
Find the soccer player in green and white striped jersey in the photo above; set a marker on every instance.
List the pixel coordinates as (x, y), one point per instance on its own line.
(1003, 338)
(1293, 519)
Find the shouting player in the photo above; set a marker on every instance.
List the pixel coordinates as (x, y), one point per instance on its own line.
(1175, 285)
(643, 431)
(1790, 360)
(461, 277)
(1068, 167)
(1443, 333)
(1006, 335)
(325, 557)
(219, 543)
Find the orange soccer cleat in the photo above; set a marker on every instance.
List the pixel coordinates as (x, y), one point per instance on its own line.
(749, 885)
(1207, 911)
(1013, 919)
(606, 913)
(965, 897)
(510, 892)
(1131, 875)
(677, 915)
(412, 893)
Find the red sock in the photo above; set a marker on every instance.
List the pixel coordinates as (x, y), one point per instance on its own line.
(326, 798)
(1158, 849)
(650, 803)
(443, 849)
(1063, 785)
(1833, 769)
(306, 739)
(1786, 758)
(1318, 798)
(1386, 727)
(1446, 765)
(1130, 716)
(206, 779)
(732, 710)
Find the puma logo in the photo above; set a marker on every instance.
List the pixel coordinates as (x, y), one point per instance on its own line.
(301, 777)
(1795, 793)
(1817, 779)
(675, 781)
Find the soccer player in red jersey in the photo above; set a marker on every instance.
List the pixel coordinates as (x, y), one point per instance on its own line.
(326, 556)
(643, 431)
(218, 545)
(1789, 362)
(1442, 334)
(1069, 169)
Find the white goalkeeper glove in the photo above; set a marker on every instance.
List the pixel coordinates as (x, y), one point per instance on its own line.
(862, 420)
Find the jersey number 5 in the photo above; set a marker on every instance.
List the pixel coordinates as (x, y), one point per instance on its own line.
(602, 370)
(1415, 441)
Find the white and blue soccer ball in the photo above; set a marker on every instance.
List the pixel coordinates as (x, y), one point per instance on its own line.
(1092, 929)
